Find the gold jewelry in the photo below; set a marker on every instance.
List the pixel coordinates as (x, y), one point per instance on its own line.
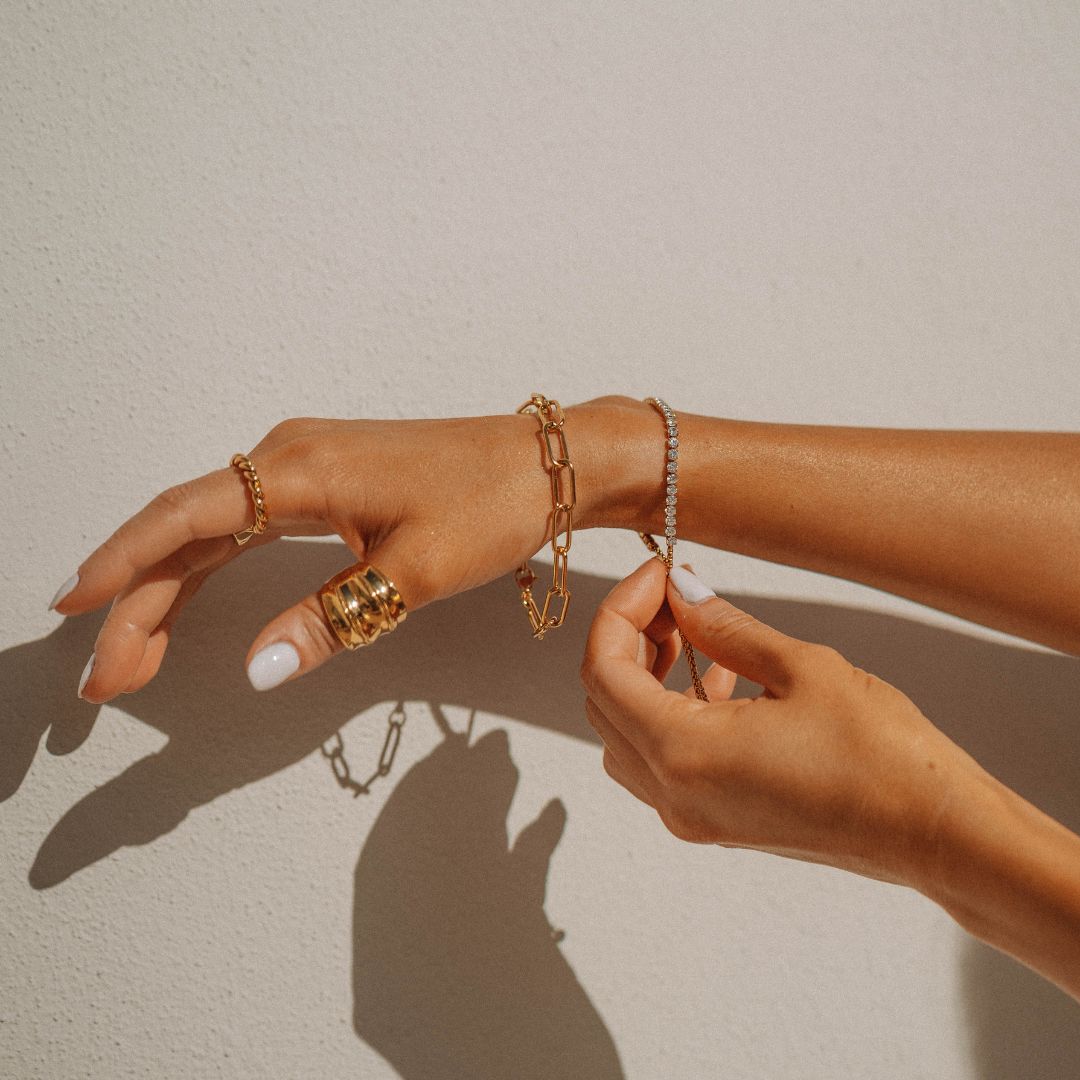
(563, 500)
(262, 515)
(360, 604)
(671, 473)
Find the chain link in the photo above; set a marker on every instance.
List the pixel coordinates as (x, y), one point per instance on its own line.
(262, 518)
(340, 766)
(550, 416)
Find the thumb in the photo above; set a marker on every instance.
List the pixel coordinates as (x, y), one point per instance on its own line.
(301, 638)
(733, 638)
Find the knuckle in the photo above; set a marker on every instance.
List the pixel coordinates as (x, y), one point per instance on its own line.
(175, 499)
(827, 656)
(682, 825)
(872, 688)
(587, 670)
(319, 638)
(425, 583)
(609, 764)
(115, 546)
(728, 623)
(821, 661)
(592, 711)
(289, 428)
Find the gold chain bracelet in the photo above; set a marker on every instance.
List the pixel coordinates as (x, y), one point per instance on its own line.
(671, 488)
(563, 500)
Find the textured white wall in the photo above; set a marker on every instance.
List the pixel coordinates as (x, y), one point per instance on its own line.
(218, 215)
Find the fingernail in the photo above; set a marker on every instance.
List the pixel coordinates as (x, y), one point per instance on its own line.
(690, 587)
(64, 590)
(84, 677)
(272, 665)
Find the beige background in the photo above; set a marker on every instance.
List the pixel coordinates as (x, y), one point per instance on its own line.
(219, 215)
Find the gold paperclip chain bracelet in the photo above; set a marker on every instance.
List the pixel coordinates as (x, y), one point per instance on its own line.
(563, 500)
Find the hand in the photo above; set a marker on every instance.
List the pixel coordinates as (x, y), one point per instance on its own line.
(439, 506)
(829, 765)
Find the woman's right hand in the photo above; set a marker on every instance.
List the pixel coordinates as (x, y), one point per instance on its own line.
(439, 506)
(829, 764)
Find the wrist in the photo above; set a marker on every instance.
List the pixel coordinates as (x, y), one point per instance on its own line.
(1010, 875)
(617, 447)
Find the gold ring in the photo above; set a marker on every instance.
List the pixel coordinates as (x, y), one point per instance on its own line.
(262, 514)
(360, 604)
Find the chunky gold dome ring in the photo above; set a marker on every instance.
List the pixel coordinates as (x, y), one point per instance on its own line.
(360, 604)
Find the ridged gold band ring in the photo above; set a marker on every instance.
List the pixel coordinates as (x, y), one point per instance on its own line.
(360, 604)
(262, 514)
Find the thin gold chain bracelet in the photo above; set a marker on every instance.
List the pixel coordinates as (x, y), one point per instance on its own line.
(563, 500)
(671, 499)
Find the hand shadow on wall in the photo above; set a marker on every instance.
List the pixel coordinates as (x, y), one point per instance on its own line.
(456, 970)
(1013, 709)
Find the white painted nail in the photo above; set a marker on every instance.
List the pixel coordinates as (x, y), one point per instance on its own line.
(64, 590)
(272, 665)
(690, 587)
(84, 677)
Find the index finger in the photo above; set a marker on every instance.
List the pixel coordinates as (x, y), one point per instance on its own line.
(629, 695)
(213, 505)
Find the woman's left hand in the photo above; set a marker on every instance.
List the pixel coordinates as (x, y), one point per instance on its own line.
(829, 765)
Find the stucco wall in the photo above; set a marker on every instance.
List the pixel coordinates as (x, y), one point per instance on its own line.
(218, 215)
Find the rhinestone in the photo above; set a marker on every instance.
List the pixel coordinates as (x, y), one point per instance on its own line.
(669, 532)
(672, 455)
(671, 500)
(673, 442)
(671, 489)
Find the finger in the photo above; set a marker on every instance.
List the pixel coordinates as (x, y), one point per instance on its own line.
(632, 763)
(621, 761)
(301, 639)
(137, 613)
(159, 639)
(292, 644)
(622, 776)
(718, 681)
(659, 648)
(215, 505)
(666, 653)
(628, 694)
(733, 638)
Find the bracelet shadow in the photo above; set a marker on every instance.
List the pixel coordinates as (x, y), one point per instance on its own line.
(478, 944)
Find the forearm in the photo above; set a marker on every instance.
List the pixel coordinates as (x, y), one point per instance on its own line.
(982, 524)
(1010, 875)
